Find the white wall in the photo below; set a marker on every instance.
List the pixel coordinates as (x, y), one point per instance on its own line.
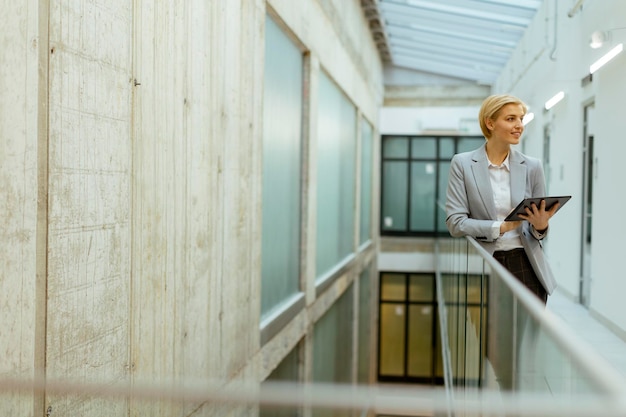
(421, 120)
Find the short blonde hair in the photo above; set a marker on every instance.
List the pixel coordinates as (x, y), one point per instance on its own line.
(491, 107)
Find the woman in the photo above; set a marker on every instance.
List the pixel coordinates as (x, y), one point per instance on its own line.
(486, 184)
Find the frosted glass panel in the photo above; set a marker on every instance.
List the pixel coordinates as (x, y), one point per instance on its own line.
(446, 148)
(336, 164)
(286, 371)
(393, 287)
(422, 287)
(395, 186)
(423, 176)
(423, 148)
(332, 342)
(444, 172)
(392, 337)
(365, 322)
(469, 144)
(420, 356)
(282, 125)
(396, 147)
(367, 142)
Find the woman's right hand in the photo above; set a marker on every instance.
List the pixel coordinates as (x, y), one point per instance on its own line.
(508, 226)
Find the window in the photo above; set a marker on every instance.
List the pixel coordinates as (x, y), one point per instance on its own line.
(282, 126)
(367, 141)
(336, 180)
(333, 342)
(365, 331)
(409, 345)
(414, 179)
(287, 371)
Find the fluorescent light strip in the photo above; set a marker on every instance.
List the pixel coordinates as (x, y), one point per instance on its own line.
(528, 118)
(606, 58)
(554, 100)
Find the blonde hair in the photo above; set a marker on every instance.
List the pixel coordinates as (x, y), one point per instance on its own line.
(490, 109)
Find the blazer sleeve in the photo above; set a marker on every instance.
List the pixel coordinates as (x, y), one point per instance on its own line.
(459, 217)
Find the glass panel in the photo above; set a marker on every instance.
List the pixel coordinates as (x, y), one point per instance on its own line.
(422, 287)
(474, 329)
(423, 176)
(474, 289)
(439, 369)
(500, 349)
(395, 147)
(500, 345)
(332, 342)
(287, 370)
(446, 148)
(335, 176)
(442, 188)
(457, 344)
(395, 186)
(393, 287)
(282, 126)
(367, 142)
(469, 144)
(424, 148)
(420, 354)
(392, 338)
(365, 323)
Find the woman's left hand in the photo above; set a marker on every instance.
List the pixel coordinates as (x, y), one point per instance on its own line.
(539, 216)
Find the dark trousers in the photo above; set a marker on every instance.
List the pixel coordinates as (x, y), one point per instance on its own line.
(516, 261)
(506, 321)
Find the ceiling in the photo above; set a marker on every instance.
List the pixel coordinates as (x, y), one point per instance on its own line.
(466, 39)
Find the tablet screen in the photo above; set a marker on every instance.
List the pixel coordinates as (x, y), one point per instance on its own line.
(521, 207)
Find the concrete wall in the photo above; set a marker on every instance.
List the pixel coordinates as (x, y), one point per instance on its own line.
(555, 55)
(89, 185)
(23, 118)
(130, 160)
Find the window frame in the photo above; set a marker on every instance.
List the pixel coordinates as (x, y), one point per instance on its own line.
(409, 159)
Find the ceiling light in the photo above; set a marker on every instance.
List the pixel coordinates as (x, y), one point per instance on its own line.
(554, 100)
(598, 38)
(528, 117)
(606, 58)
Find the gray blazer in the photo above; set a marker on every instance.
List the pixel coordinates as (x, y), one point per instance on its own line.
(471, 210)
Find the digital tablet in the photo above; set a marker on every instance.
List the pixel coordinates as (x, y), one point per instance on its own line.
(520, 209)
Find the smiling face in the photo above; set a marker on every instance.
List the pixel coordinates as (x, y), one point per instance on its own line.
(507, 127)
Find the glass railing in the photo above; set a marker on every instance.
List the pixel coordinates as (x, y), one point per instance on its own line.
(502, 343)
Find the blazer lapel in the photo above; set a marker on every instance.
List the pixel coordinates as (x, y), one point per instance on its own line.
(480, 169)
(518, 178)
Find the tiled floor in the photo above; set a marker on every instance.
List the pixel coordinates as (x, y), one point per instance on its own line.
(605, 342)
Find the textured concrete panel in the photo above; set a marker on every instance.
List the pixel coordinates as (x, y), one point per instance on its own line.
(197, 199)
(89, 199)
(18, 195)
